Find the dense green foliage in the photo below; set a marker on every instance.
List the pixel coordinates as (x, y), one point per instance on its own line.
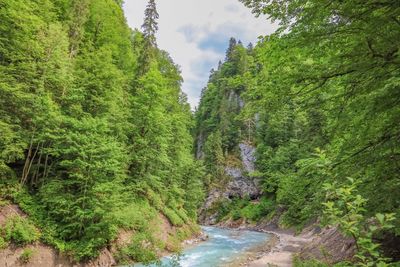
(321, 103)
(218, 127)
(95, 131)
(18, 230)
(243, 208)
(345, 209)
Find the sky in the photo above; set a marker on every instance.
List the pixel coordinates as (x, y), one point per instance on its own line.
(196, 34)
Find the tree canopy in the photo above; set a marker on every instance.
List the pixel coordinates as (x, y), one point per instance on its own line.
(88, 129)
(319, 100)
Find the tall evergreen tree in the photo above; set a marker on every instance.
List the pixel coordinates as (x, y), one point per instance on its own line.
(150, 24)
(150, 28)
(231, 47)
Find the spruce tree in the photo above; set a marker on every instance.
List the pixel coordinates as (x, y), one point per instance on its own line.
(150, 28)
(231, 47)
(150, 24)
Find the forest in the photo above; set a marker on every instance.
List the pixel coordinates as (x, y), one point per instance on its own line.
(319, 100)
(97, 136)
(95, 130)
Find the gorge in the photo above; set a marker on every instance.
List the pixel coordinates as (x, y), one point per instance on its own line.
(291, 157)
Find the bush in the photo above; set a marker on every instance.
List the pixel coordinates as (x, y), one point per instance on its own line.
(222, 207)
(182, 214)
(20, 231)
(26, 255)
(243, 208)
(308, 263)
(135, 215)
(256, 211)
(3, 202)
(3, 243)
(141, 249)
(316, 263)
(173, 217)
(344, 207)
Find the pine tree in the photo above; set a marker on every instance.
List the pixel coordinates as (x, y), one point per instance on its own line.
(250, 48)
(231, 47)
(150, 24)
(150, 28)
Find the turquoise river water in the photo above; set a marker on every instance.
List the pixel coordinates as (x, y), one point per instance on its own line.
(224, 247)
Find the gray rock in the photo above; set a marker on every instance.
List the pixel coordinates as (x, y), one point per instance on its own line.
(199, 148)
(239, 185)
(247, 153)
(241, 103)
(233, 172)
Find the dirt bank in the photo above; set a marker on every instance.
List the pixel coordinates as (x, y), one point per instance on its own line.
(43, 255)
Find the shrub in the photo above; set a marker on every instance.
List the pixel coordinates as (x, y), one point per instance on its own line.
(243, 208)
(3, 243)
(20, 231)
(3, 202)
(135, 215)
(344, 207)
(26, 255)
(256, 211)
(182, 214)
(173, 217)
(141, 249)
(308, 263)
(236, 215)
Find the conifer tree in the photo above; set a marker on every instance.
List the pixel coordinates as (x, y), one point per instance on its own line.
(150, 28)
(231, 47)
(150, 24)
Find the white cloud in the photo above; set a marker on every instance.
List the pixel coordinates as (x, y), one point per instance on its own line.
(232, 8)
(196, 34)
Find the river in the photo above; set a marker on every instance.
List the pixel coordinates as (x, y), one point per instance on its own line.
(224, 247)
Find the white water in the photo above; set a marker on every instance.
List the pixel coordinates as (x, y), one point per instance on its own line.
(224, 247)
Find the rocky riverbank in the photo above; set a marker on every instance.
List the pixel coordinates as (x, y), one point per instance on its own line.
(283, 251)
(327, 244)
(324, 244)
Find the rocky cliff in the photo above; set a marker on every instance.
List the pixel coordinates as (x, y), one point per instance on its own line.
(239, 185)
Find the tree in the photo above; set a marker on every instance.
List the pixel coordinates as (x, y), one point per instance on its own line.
(214, 157)
(150, 24)
(231, 47)
(150, 28)
(324, 81)
(93, 137)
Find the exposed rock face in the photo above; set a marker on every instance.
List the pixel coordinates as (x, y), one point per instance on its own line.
(329, 246)
(240, 185)
(199, 146)
(247, 154)
(235, 100)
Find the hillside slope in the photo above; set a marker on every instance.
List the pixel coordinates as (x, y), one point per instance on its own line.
(322, 113)
(95, 130)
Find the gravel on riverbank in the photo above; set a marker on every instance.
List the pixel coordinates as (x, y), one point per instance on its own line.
(282, 253)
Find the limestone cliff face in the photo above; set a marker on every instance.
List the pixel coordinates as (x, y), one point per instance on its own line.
(247, 154)
(199, 146)
(240, 185)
